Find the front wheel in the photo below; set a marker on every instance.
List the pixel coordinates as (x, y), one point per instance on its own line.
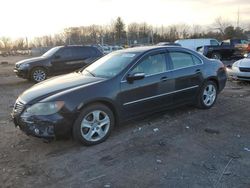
(207, 95)
(38, 74)
(93, 125)
(216, 55)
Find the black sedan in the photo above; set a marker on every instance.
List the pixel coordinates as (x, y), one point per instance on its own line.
(56, 61)
(116, 88)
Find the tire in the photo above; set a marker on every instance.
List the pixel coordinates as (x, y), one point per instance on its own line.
(93, 125)
(216, 55)
(207, 95)
(38, 74)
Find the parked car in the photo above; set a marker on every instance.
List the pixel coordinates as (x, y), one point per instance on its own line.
(240, 70)
(228, 49)
(211, 48)
(196, 44)
(116, 88)
(222, 52)
(108, 49)
(58, 60)
(242, 46)
(167, 44)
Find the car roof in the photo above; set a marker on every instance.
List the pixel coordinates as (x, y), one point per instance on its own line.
(73, 46)
(147, 48)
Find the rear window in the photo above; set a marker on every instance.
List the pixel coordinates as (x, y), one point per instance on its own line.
(78, 52)
(214, 42)
(64, 53)
(183, 59)
(94, 51)
(244, 42)
(86, 52)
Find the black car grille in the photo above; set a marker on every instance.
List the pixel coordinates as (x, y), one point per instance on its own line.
(244, 69)
(18, 107)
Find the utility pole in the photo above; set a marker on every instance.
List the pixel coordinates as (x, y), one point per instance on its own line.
(27, 42)
(152, 36)
(238, 18)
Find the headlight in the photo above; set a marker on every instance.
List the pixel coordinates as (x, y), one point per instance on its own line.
(43, 108)
(22, 66)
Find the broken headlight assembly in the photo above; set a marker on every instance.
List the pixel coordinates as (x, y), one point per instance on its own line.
(43, 109)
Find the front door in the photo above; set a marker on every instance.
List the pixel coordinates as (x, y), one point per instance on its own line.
(150, 93)
(62, 61)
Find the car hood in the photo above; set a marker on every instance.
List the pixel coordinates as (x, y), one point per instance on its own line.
(57, 84)
(31, 60)
(244, 62)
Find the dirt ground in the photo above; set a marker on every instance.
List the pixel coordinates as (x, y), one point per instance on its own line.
(186, 147)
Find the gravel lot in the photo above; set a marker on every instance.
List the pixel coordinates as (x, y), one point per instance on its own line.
(186, 147)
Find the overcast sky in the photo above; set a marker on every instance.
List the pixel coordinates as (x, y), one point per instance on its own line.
(21, 18)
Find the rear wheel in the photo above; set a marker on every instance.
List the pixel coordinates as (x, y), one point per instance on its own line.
(93, 125)
(207, 95)
(38, 74)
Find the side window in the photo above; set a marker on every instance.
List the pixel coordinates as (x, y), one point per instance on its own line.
(152, 64)
(65, 53)
(93, 52)
(79, 52)
(225, 44)
(244, 42)
(196, 60)
(214, 42)
(181, 59)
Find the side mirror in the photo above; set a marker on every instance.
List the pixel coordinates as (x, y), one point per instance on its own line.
(246, 55)
(135, 76)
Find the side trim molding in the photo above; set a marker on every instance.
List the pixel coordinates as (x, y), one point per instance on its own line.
(156, 96)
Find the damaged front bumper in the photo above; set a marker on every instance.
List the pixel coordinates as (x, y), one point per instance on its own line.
(21, 73)
(47, 127)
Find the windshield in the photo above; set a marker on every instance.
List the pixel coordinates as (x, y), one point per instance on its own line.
(110, 65)
(51, 52)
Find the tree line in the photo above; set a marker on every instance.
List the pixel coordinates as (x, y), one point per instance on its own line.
(118, 33)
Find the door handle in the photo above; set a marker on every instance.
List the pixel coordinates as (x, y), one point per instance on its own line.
(164, 78)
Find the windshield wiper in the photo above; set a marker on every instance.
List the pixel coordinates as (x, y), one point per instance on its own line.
(90, 73)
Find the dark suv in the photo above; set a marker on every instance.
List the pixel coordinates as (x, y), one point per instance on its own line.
(58, 60)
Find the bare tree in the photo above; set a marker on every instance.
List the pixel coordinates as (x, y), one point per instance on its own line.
(6, 42)
(183, 30)
(19, 44)
(133, 32)
(117, 33)
(221, 24)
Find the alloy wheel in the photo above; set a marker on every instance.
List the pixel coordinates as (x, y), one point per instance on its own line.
(209, 95)
(39, 75)
(95, 125)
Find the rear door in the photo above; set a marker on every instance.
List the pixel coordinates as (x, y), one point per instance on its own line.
(150, 93)
(85, 55)
(80, 55)
(187, 75)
